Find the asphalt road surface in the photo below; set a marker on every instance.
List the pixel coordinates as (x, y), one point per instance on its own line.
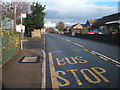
(77, 63)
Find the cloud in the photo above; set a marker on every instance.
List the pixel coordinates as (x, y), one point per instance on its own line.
(77, 0)
(53, 14)
(77, 11)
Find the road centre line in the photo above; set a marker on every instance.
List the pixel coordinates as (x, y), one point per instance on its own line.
(78, 44)
(94, 52)
(55, 83)
(73, 42)
(62, 38)
(106, 57)
(68, 40)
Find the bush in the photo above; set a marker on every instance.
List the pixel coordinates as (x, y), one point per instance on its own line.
(10, 44)
(36, 37)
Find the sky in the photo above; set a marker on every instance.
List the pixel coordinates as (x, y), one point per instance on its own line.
(76, 11)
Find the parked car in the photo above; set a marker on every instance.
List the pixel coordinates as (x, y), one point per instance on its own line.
(90, 32)
(98, 31)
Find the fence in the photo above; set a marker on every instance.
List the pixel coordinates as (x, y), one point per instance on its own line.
(0, 46)
(10, 44)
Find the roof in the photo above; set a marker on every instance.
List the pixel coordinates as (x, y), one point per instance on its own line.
(92, 21)
(76, 25)
(111, 22)
(105, 19)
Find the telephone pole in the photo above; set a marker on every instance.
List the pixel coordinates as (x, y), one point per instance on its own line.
(14, 12)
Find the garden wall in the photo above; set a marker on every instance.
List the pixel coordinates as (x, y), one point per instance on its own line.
(108, 38)
(10, 44)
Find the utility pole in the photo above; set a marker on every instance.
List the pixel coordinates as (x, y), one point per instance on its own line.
(1, 15)
(14, 12)
(21, 34)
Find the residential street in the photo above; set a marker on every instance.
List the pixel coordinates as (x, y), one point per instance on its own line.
(59, 44)
(77, 63)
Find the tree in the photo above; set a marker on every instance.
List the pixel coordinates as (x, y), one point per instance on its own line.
(8, 9)
(60, 26)
(51, 30)
(36, 19)
(13, 10)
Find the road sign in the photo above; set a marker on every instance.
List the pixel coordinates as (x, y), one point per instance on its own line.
(23, 15)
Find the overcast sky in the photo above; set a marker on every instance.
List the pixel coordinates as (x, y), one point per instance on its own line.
(77, 11)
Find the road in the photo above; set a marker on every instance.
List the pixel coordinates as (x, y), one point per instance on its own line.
(77, 63)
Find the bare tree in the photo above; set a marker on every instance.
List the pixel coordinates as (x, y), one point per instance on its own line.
(14, 9)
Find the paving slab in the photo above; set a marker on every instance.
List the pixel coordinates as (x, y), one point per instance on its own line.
(26, 74)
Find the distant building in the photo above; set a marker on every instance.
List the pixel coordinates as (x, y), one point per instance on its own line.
(67, 28)
(77, 26)
(75, 29)
(89, 23)
(108, 23)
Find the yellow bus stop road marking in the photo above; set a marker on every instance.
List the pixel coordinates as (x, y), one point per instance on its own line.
(103, 58)
(118, 66)
(55, 84)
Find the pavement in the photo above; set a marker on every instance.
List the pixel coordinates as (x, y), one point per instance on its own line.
(77, 63)
(19, 74)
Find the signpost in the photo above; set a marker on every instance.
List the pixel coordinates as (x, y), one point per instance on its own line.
(22, 33)
(8, 24)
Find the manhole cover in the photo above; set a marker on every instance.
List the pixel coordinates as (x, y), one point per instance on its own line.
(29, 60)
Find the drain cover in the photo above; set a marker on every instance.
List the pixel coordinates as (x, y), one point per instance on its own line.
(29, 59)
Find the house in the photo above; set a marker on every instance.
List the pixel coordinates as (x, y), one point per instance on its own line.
(75, 29)
(89, 23)
(77, 26)
(67, 28)
(108, 23)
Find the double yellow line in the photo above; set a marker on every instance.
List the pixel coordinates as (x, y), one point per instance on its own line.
(55, 83)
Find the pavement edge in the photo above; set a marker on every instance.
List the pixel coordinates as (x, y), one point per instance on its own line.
(43, 85)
